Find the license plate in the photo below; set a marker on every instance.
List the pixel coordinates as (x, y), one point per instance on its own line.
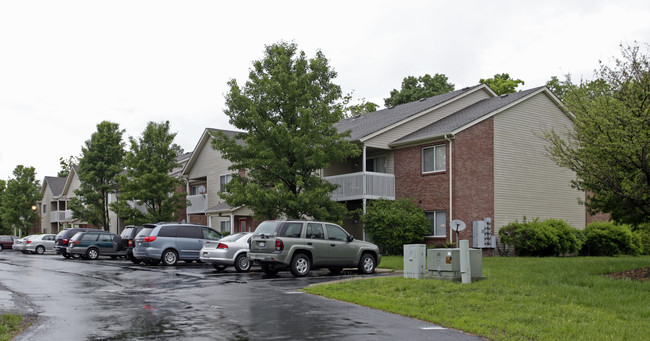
(261, 244)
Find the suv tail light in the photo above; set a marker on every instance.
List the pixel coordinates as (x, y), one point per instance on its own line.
(149, 239)
(64, 242)
(222, 246)
(279, 245)
(130, 243)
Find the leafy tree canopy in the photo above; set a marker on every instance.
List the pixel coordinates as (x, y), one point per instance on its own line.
(391, 224)
(287, 108)
(502, 84)
(414, 89)
(147, 182)
(609, 145)
(100, 163)
(66, 164)
(22, 192)
(362, 108)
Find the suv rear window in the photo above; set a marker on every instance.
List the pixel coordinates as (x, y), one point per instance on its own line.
(291, 230)
(267, 228)
(168, 231)
(127, 232)
(145, 232)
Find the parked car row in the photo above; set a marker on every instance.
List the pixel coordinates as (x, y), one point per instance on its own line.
(294, 245)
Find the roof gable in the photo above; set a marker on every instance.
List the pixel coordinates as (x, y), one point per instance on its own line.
(55, 184)
(468, 116)
(363, 126)
(205, 139)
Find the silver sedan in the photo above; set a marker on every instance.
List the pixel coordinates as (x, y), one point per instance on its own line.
(40, 243)
(228, 251)
(20, 243)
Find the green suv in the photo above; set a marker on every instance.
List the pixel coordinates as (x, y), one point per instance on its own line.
(300, 245)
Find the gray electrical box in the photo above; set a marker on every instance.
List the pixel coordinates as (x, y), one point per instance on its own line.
(445, 264)
(482, 237)
(414, 261)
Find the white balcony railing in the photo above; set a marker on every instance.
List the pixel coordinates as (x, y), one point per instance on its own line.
(378, 186)
(199, 203)
(58, 216)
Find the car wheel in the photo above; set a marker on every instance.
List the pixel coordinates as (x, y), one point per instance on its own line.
(40, 249)
(219, 267)
(268, 270)
(169, 257)
(92, 254)
(300, 265)
(242, 264)
(75, 255)
(367, 264)
(0, 247)
(335, 271)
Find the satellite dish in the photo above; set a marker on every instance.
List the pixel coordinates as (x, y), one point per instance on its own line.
(457, 225)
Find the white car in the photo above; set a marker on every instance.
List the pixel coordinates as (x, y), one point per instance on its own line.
(40, 243)
(228, 251)
(20, 243)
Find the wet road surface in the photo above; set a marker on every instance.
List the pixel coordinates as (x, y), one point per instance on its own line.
(117, 300)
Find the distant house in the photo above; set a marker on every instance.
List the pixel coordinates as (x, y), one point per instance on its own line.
(466, 155)
(49, 205)
(206, 173)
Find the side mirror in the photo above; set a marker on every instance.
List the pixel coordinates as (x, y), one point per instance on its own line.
(350, 238)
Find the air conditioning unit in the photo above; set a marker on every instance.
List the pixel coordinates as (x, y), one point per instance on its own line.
(482, 237)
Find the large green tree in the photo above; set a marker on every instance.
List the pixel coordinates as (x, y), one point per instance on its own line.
(502, 84)
(609, 145)
(101, 161)
(414, 89)
(19, 207)
(287, 109)
(147, 181)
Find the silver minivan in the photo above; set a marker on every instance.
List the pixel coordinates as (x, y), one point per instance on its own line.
(171, 242)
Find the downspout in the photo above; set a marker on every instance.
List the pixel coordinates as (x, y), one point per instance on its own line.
(187, 190)
(363, 165)
(451, 195)
(232, 223)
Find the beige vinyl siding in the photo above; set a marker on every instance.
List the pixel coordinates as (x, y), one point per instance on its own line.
(209, 164)
(382, 140)
(526, 182)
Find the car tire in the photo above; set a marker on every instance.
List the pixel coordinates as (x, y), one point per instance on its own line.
(25, 251)
(169, 257)
(242, 264)
(219, 267)
(268, 270)
(300, 265)
(335, 270)
(92, 253)
(133, 259)
(367, 264)
(0, 247)
(40, 249)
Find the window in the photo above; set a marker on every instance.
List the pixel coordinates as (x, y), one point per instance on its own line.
(376, 164)
(315, 231)
(105, 238)
(291, 230)
(194, 232)
(90, 237)
(224, 225)
(168, 231)
(211, 234)
(336, 233)
(223, 180)
(197, 189)
(438, 220)
(434, 159)
(44, 208)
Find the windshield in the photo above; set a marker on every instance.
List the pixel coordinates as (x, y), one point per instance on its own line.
(267, 228)
(60, 234)
(127, 232)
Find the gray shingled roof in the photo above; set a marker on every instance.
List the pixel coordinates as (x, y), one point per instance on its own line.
(363, 125)
(56, 184)
(464, 116)
(221, 207)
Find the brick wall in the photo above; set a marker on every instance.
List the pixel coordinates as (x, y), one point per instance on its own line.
(473, 178)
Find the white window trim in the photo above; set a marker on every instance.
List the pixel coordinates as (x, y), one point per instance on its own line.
(434, 160)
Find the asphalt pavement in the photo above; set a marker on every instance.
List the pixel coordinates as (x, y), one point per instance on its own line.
(117, 300)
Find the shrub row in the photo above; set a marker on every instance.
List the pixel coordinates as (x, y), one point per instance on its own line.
(553, 237)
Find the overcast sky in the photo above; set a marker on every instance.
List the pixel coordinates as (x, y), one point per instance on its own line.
(65, 66)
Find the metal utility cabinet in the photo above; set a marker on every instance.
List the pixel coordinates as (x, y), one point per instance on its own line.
(414, 261)
(445, 264)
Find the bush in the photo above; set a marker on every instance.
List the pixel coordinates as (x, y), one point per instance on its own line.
(643, 232)
(610, 239)
(391, 224)
(551, 237)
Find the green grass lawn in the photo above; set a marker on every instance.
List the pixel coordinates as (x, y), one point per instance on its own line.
(9, 326)
(522, 299)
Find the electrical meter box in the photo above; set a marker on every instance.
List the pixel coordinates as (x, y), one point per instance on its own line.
(445, 264)
(415, 261)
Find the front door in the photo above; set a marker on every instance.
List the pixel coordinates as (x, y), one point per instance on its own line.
(242, 225)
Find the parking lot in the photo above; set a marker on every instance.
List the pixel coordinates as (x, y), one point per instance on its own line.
(112, 299)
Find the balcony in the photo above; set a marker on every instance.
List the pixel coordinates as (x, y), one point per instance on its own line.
(351, 186)
(59, 216)
(199, 203)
